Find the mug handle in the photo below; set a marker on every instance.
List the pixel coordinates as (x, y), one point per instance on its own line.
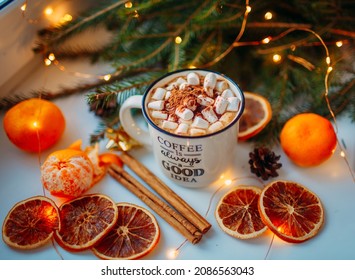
(129, 124)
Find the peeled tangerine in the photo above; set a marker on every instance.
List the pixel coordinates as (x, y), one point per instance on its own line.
(71, 172)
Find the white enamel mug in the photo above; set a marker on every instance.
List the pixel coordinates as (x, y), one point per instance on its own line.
(189, 161)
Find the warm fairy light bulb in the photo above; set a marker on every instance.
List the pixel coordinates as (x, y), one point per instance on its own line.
(172, 253)
(266, 40)
(330, 69)
(107, 77)
(23, 7)
(248, 9)
(276, 58)
(128, 5)
(228, 182)
(47, 62)
(178, 40)
(48, 11)
(268, 15)
(51, 57)
(339, 44)
(342, 154)
(35, 124)
(192, 67)
(327, 60)
(66, 18)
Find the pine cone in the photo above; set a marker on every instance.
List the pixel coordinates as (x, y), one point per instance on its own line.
(263, 163)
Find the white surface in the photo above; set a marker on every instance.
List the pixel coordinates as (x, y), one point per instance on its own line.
(331, 181)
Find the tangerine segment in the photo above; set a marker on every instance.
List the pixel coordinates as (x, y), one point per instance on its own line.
(257, 114)
(237, 213)
(30, 223)
(85, 220)
(135, 234)
(67, 173)
(291, 211)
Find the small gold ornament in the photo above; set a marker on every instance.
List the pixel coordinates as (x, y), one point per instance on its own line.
(119, 140)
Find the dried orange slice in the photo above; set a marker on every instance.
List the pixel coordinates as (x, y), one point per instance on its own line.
(257, 114)
(237, 213)
(135, 234)
(85, 220)
(31, 223)
(291, 211)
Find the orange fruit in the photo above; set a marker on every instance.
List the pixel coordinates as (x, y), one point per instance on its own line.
(135, 234)
(67, 173)
(257, 114)
(110, 158)
(291, 211)
(85, 220)
(30, 223)
(237, 213)
(34, 125)
(308, 139)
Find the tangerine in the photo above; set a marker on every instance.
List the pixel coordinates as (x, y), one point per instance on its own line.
(30, 223)
(135, 234)
(85, 220)
(67, 173)
(308, 139)
(291, 211)
(34, 125)
(257, 114)
(237, 213)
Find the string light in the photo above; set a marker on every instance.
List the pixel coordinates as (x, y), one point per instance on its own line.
(339, 44)
(228, 182)
(266, 40)
(178, 40)
(276, 58)
(23, 7)
(247, 9)
(268, 16)
(48, 11)
(128, 5)
(66, 18)
(172, 253)
(51, 57)
(107, 77)
(47, 62)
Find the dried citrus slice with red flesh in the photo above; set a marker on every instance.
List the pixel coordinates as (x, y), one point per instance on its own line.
(237, 213)
(257, 114)
(31, 223)
(291, 211)
(135, 234)
(85, 220)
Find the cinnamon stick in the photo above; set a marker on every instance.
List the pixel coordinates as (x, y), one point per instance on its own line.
(167, 193)
(160, 207)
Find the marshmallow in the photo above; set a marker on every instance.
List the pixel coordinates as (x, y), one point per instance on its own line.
(197, 132)
(227, 93)
(182, 128)
(233, 104)
(193, 79)
(156, 105)
(183, 86)
(221, 86)
(159, 94)
(180, 81)
(220, 105)
(173, 118)
(184, 113)
(205, 100)
(159, 115)
(190, 102)
(209, 83)
(167, 94)
(171, 86)
(169, 125)
(200, 123)
(209, 114)
(227, 117)
(215, 127)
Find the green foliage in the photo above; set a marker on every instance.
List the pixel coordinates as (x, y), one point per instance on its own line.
(144, 38)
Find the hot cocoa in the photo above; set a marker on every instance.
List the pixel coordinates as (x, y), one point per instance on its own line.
(193, 105)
